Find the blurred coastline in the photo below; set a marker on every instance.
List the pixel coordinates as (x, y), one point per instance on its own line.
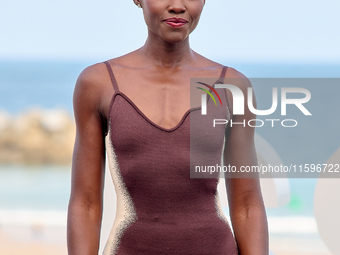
(37, 133)
(34, 200)
(36, 118)
(36, 136)
(33, 211)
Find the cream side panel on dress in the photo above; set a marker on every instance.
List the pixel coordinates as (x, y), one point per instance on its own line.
(220, 212)
(218, 196)
(126, 213)
(219, 209)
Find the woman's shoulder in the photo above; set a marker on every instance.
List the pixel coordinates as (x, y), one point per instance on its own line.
(94, 83)
(91, 79)
(128, 60)
(231, 76)
(230, 73)
(95, 76)
(96, 71)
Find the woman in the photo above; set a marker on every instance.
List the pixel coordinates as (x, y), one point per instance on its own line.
(136, 106)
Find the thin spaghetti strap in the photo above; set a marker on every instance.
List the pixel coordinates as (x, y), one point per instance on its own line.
(113, 79)
(223, 72)
(222, 76)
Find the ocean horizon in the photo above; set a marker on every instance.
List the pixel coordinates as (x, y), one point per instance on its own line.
(50, 84)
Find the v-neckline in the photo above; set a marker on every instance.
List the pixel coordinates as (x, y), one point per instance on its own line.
(138, 110)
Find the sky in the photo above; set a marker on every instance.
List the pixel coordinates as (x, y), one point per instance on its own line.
(245, 30)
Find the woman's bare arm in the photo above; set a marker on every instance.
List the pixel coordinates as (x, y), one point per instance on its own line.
(246, 207)
(88, 166)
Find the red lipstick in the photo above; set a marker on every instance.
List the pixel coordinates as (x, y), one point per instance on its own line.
(175, 22)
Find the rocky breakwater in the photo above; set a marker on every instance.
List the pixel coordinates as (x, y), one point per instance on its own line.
(37, 136)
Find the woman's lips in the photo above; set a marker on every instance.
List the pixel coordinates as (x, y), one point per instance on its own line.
(176, 22)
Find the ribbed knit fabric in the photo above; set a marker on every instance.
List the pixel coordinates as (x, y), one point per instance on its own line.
(160, 209)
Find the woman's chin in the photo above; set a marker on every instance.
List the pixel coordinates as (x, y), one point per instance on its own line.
(175, 39)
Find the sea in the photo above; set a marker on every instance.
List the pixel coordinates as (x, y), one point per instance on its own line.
(31, 193)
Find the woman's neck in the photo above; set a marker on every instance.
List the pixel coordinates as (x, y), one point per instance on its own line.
(167, 55)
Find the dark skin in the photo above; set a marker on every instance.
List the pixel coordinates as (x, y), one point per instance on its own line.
(161, 71)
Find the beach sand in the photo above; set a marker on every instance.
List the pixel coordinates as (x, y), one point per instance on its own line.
(297, 244)
(32, 240)
(300, 253)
